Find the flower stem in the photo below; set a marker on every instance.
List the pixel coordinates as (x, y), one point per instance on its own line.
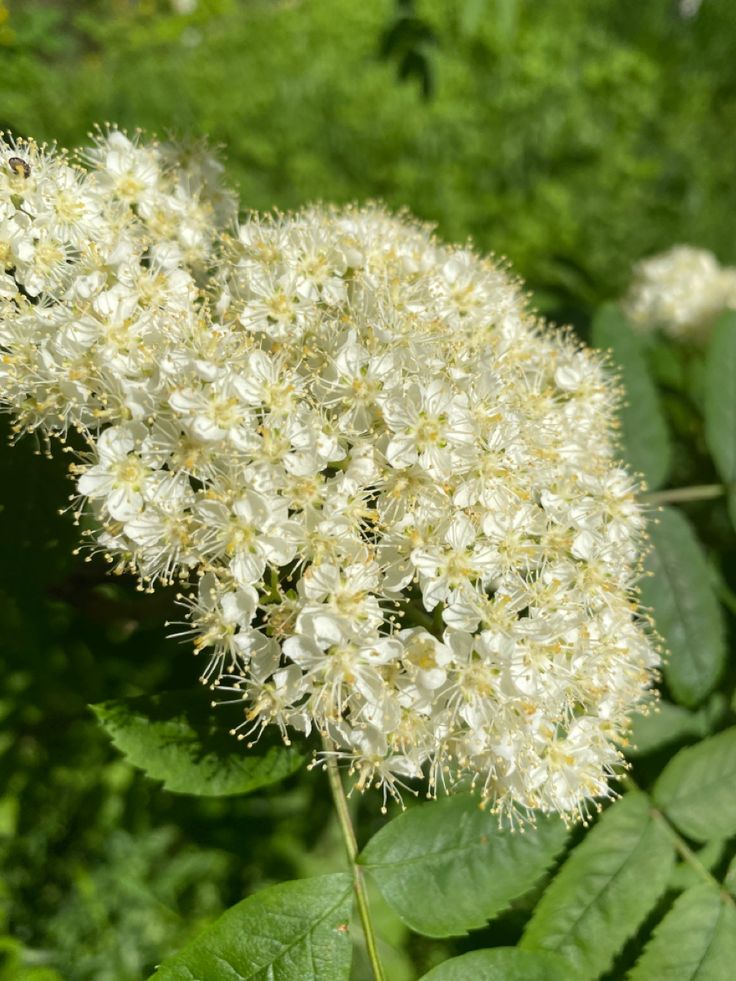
(351, 847)
(677, 495)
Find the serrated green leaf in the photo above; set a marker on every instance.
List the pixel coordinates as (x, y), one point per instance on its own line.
(720, 396)
(605, 888)
(178, 738)
(697, 789)
(663, 725)
(645, 439)
(686, 611)
(502, 964)
(296, 931)
(696, 941)
(446, 868)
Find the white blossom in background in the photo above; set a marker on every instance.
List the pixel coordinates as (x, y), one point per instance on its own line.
(681, 291)
(689, 9)
(184, 6)
(391, 495)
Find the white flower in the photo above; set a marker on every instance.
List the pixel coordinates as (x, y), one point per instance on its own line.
(118, 479)
(248, 535)
(431, 426)
(427, 660)
(340, 604)
(390, 494)
(222, 620)
(462, 559)
(214, 410)
(681, 291)
(130, 172)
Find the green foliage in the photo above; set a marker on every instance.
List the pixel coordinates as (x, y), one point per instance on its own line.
(720, 402)
(296, 931)
(104, 874)
(572, 137)
(608, 885)
(684, 607)
(445, 867)
(697, 789)
(14, 966)
(729, 880)
(502, 964)
(175, 737)
(694, 942)
(126, 910)
(666, 724)
(686, 874)
(644, 437)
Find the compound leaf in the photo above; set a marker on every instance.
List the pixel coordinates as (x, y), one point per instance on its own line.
(605, 888)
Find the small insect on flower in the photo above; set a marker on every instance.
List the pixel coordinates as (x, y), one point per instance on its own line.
(20, 166)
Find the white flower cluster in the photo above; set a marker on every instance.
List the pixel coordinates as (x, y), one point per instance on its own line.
(396, 492)
(681, 291)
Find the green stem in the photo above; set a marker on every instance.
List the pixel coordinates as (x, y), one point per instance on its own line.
(351, 847)
(678, 495)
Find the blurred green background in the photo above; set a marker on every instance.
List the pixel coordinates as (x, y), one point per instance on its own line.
(571, 137)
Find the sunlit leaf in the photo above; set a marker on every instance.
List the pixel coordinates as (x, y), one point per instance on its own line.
(446, 867)
(502, 964)
(696, 941)
(178, 738)
(605, 888)
(697, 789)
(296, 931)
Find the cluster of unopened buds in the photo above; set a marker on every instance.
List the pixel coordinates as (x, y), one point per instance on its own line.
(392, 495)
